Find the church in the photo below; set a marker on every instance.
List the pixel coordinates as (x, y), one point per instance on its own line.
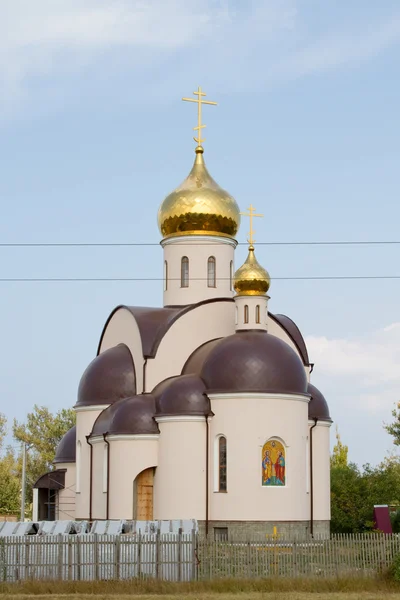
(203, 408)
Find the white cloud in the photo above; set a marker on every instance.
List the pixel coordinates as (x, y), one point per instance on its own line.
(367, 365)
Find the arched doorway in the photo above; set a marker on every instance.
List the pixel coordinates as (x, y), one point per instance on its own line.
(143, 495)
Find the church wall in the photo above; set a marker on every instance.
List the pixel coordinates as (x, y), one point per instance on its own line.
(122, 329)
(321, 471)
(129, 456)
(66, 497)
(84, 424)
(99, 497)
(179, 484)
(198, 249)
(204, 323)
(248, 422)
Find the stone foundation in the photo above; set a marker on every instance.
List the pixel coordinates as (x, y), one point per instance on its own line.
(259, 530)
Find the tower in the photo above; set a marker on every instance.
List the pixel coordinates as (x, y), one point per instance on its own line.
(251, 284)
(198, 222)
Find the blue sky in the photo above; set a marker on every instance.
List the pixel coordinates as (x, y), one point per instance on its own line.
(93, 136)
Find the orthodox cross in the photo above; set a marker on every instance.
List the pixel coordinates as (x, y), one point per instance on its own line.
(199, 102)
(251, 214)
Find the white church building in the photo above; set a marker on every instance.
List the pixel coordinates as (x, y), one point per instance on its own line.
(202, 409)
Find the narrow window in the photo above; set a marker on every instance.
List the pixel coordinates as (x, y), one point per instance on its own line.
(185, 272)
(231, 276)
(222, 487)
(246, 313)
(105, 467)
(165, 276)
(258, 314)
(78, 466)
(211, 277)
(236, 315)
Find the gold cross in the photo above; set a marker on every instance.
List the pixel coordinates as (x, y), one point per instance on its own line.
(199, 101)
(251, 214)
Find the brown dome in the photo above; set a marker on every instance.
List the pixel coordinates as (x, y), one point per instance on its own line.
(109, 377)
(66, 449)
(254, 361)
(129, 416)
(184, 395)
(196, 360)
(317, 407)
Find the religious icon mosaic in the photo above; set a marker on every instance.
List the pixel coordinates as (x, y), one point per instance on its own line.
(273, 463)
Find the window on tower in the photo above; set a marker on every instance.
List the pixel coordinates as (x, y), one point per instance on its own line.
(231, 276)
(246, 313)
(185, 272)
(222, 479)
(258, 317)
(165, 275)
(211, 274)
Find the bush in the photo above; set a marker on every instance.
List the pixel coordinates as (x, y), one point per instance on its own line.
(395, 569)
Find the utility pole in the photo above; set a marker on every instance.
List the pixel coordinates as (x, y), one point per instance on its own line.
(23, 481)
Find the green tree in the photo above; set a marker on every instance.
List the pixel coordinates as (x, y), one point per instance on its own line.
(10, 483)
(42, 433)
(339, 456)
(394, 428)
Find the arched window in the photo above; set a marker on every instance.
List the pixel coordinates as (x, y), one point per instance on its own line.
(258, 320)
(211, 275)
(222, 479)
(165, 275)
(185, 272)
(273, 461)
(231, 276)
(105, 467)
(78, 466)
(246, 313)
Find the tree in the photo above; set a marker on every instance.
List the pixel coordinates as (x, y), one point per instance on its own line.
(394, 428)
(42, 432)
(339, 456)
(9, 480)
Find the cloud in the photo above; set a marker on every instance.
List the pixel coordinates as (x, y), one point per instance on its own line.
(365, 366)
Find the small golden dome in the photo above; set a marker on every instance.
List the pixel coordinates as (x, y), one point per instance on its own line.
(251, 279)
(198, 206)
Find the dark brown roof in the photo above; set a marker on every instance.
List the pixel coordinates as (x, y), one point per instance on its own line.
(153, 323)
(66, 449)
(184, 395)
(254, 361)
(294, 333)
(109, 377)
(131, 416)
(53, 480)
(195, 362)
(317, 407)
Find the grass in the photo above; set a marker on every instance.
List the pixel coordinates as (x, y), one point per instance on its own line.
(255, 589)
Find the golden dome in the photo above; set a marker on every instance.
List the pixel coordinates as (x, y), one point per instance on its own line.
(199, 206)
(251, 279)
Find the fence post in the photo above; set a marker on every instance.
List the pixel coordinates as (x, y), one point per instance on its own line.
(180, 554)
(139, 552)
(117, 554)
(194, 565)
(60, 555)
(158, 554)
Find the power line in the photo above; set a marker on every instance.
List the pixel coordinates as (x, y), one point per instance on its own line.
(133, 244)
(130, 279)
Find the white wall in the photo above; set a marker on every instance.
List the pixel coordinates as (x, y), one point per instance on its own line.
(66, 497)
(251, 302)
(85, 418)
(321, 471)
(129, 455)
(123, 329)
(248, 421)
(179, 484)
(204, 323)
(198, 248)
(99, 498)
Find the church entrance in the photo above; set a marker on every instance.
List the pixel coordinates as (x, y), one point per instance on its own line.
(144, 495)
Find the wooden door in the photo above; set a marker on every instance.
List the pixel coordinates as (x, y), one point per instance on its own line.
(144, 495)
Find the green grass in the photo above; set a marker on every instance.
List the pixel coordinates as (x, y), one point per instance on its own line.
(349, 588)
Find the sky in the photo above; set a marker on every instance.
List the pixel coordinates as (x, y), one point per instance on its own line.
(93, 136)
